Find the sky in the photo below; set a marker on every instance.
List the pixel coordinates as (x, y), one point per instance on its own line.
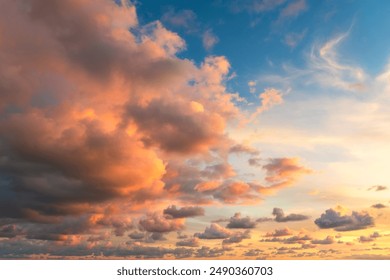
(238, 129)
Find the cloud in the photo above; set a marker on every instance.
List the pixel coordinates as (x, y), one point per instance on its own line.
(300, 239)
(136, 235)
(193, 242)
(279, 232)
(160, 224)
(184, 212)
(379, 206)
(377, 188)
(237, 237)
(209, 39)
(215, 231)
(293, 39)
(264, 219)
(282, 218)
(293, 9)
(243, 149)
(282, 172)
(253, 253)
(181, 19)
(328, 240)
(95, 125)
(333, 219)
(240, 222)
(370, 238)
(207, 252)
(269, 98)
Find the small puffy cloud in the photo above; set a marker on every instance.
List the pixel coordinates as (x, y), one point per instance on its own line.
(184, 212)
(136, 235)
(283, 172)
(281, 217)
(333, 219)
(299, 239)
(328, 240)
(209, 39)
(370, 238)
(237, 237)
(377, 188)
(193, 242)
(253, 253)
(240, 222)
(279, 232)
(379, 206)
(160, 224)
(243, 149)
(207, 252)
(214, 231)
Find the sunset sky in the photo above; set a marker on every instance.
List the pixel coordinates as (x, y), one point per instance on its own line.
(237, 129)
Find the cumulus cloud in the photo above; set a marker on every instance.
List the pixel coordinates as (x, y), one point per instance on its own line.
(279, 232)
(328, 240)
(240, 222)
(237, 237)
(207, 252)
(333, 219)
(281, 217)
(105, 114)
(193, 242)
(372, 237)
(159, 223)
(379, 206)
(282, 172)
(214, 231)
(184, 212)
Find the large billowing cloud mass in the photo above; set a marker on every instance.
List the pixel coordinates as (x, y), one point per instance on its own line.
(116, 143)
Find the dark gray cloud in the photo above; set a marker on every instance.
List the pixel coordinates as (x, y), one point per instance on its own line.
(193, 242)
(253, 253)
(214, 231)
(136, 235)
(299, 239)
(207, 252)
(241, 222)
(237, 237)
(379, 206)
(279, 232)
(184, 212)
(372, 237)
(281, 217)
(355, 221)
(328, 240)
